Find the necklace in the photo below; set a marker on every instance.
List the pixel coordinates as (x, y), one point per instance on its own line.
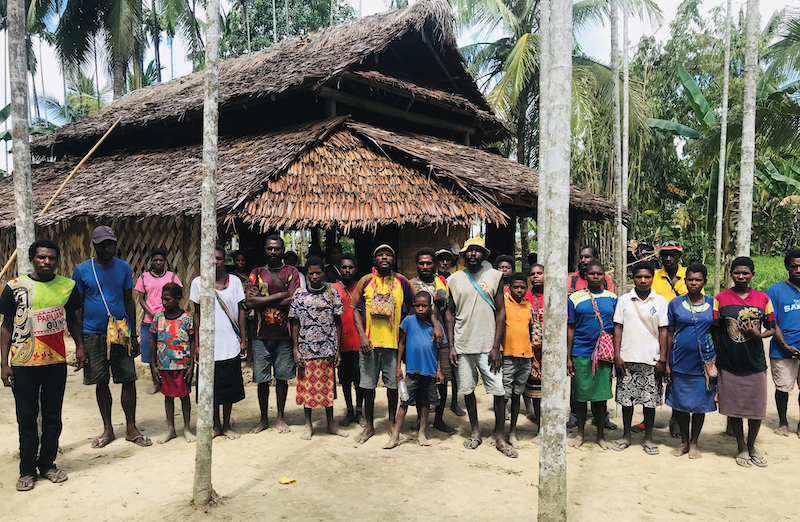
(157, 276)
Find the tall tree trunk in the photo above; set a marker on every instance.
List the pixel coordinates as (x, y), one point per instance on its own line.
(203, 491)
(287, 30)
(274, 24)
(171, 59)
(722, 151)
(41, 72)
(156, 39)
(36, 114)
(118, 72)
(23, 189)
(623, 231)
(552, 453)
(544, 103)
(619, 248)
(745, 225)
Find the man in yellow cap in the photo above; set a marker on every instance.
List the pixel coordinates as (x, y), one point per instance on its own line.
(476, 324)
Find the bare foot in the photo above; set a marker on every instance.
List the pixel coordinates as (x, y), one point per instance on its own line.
(390, 428)
(348, 419)
(441, 426)
(783, 430)
(168, 437)
(423, 440)
(694, 452)
(680, 451)
(512, 439)
(307, 433)
(361, 420)
(576, 441)
(216, 433)
(491, 440)
(153, 390)
(604, 444)
(333, 430)
(536, 440)
(282, 426)
(365, 435)
(188, 435)
(455, 408)
(261, 426)
(393, 443)
(230, 434)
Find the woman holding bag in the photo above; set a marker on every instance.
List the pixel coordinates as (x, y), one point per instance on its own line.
(589, 326)
(691, 370)
(640, 350)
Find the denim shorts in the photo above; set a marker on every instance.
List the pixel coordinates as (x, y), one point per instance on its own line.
(382, 361)
(273, 357)
(96, 367)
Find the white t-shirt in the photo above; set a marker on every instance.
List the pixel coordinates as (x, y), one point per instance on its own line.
(226, 343)
(638, 345)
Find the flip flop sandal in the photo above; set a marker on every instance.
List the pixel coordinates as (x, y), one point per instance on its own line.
(101, 442)
(508, 450)
(141, 440)
(650, 449)
(744, 462)
(472, 443)
(620, 445)
(55, 475)
(26, 483)
(759, 461)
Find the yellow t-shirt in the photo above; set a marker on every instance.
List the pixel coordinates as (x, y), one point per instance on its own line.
(661, 284)
(381, 330)
(517, 342)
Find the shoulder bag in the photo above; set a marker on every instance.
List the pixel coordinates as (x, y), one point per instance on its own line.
(118, 331)
(604, 347)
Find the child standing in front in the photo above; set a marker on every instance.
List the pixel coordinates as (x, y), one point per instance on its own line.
(423, 372)
(171, 348)
(316, 322)
(517, 351)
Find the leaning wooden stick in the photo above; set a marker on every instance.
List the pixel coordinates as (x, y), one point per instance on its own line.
(61, 189)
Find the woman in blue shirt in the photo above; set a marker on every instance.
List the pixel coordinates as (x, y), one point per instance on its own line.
(690, 348)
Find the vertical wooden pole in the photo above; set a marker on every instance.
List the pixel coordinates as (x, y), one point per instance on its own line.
(553, 448)
(23, 187)
(203, 492)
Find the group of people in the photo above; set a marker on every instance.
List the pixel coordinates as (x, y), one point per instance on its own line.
(446, 325)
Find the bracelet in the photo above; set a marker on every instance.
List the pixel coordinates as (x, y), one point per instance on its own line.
(662, 362)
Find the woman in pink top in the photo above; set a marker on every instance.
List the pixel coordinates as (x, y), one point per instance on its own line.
(149, 286)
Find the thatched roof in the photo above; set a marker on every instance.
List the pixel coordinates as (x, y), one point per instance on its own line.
(332, 172)
(297, 64)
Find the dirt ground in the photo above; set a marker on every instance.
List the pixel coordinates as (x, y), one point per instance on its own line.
(338, 479)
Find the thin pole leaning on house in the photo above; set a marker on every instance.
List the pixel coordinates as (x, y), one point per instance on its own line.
(23, 188)
(553, 449)
(203, 492)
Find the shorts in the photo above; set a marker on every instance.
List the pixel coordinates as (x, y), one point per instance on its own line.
(422, 390)
(145, 338)
(785, 372)
(382, 361)
(445, 364)
(516, 371)
(469, 365)
(639, 386)
(173, 383)
(349, 371)
(270, 357)
(96, 367)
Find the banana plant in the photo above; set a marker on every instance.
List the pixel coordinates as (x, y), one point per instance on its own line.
(702, 110)
(782, 183)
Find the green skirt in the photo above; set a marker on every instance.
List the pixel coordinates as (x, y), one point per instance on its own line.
(588, 387)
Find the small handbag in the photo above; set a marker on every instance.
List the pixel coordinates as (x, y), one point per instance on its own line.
(382, 305)
(604, 348)
(118, 331)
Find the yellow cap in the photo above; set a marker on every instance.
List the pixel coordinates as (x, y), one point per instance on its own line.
(476, 241)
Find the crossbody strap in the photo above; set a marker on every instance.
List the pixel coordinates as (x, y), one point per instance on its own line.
(480, 290)
(696, 333)
(100, 288)
(596, 310)
(275, 278)
(228, 313)
(646, 324)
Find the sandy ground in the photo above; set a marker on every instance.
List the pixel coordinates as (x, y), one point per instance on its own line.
(338, 479)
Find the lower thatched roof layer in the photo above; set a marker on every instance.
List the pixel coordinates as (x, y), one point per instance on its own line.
(332, 172)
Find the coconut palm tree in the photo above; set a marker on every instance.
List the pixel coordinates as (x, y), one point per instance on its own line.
(83, 99)
(744, 225)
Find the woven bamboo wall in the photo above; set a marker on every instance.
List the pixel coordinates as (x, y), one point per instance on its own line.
(137, 238)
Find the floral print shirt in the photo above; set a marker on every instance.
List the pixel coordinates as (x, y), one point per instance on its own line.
(315, 314)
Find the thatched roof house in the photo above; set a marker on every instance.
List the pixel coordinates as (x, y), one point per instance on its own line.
(305, 142)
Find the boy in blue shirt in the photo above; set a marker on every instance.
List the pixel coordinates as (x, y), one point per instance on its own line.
(423, 372)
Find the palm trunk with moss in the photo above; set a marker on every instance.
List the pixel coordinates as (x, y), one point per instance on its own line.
(745, 224)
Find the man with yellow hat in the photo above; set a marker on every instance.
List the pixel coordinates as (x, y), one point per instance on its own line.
(476, 324)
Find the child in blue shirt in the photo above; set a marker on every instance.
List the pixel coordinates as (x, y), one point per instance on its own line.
(423, 372)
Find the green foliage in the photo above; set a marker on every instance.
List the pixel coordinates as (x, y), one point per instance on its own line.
(677, 128)
(695, 97)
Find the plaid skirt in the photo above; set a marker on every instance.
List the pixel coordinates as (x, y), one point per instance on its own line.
(316, 384)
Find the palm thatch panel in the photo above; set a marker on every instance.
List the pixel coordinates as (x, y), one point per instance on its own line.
(343, 181)
(307, 61)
